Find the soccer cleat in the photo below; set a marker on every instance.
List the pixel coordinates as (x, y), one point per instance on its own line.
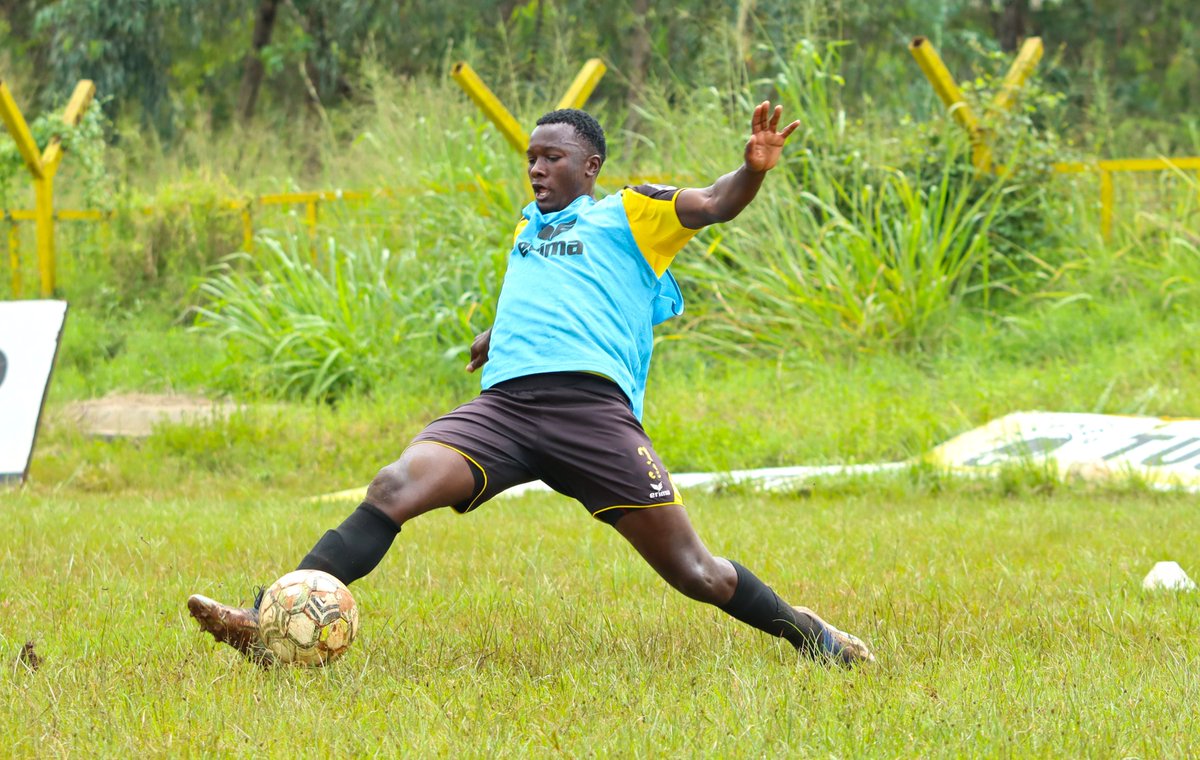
(235, 626)
(842, 647)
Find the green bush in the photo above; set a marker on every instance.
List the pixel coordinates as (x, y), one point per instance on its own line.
(344, 323)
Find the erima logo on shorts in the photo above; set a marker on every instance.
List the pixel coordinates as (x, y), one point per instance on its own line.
(656, 488)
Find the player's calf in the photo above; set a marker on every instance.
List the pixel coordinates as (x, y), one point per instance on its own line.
(756, 604)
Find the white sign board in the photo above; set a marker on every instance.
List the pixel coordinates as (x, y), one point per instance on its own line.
(29, 335)
(1164, 452)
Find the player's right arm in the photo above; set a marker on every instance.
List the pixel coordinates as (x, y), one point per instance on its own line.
(725, 198)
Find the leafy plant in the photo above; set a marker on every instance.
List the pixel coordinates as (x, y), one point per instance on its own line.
(343, 323)
(843, 251)
(83, 143)
(869, 261)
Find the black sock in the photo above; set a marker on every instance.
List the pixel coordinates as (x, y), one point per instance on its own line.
(355, 547)
(755, 604)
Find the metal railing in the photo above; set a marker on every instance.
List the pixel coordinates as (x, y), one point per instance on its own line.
(42, 166)
(1022, 68)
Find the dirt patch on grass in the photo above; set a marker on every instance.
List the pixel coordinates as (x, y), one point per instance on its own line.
(137, 414)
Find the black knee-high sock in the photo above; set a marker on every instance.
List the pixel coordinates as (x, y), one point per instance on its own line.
(755, 604)
(355, 547)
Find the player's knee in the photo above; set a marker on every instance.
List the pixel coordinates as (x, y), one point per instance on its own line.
(387, 487)
(702, 580)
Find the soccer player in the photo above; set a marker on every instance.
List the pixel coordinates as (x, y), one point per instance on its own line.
(564, 373)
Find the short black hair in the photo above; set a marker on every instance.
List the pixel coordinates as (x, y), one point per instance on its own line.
(584, 123)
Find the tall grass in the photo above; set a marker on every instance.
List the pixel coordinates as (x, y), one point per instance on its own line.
(869, 261)
(872, 234)
(323, 326)
(843, 248)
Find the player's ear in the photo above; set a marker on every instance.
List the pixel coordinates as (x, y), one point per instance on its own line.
(591, 166)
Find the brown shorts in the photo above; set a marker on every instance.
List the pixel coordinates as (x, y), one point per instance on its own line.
(572, 430)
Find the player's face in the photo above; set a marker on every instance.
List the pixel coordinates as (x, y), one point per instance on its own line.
(562, 166)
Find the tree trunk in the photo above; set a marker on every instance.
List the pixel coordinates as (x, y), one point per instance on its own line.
(253, 69)
(1011, 23)
(639, 56)
(537, 38)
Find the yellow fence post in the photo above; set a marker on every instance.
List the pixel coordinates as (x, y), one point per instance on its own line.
(81, 98)
(1106, 203)
(43, 210)
(14, 256)
(247, 229)
(43, 167)
(15, 123)
(1026, 61)
(310, 219)
(585, 82)
(576, 95)
(465, 76)
(946, 88)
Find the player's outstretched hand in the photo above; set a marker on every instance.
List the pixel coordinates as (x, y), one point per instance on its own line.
(766, 143)
(479, 350)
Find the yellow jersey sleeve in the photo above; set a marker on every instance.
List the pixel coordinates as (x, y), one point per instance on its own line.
(656, 227)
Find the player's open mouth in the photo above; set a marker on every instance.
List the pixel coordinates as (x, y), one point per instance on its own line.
(541, 192)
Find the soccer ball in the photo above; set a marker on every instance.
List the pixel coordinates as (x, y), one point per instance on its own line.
(307, 618)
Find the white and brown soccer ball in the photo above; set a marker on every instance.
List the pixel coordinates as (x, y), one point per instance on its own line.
(308, 618)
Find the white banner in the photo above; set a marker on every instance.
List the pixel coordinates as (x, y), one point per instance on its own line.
(1165, 452)
(29, 335)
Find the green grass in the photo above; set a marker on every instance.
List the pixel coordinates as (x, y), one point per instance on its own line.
(1005, 625)
(870, 323)
(1008, 615)
(1115, 356)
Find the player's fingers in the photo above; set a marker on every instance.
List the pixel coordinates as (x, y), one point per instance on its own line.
(789, 129)
(775, 116)
(760, 116)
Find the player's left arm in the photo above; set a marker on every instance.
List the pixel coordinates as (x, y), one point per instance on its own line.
(725, 198)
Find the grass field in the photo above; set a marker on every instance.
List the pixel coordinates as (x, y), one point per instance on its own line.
(872, 304)
(1008, 619)
(1008, 615)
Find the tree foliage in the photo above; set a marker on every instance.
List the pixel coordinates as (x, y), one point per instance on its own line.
(168, 62)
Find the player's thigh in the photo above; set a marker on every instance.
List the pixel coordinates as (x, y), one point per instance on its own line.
(665, 538)
(593, 449)
(425, 477)
(461, 459)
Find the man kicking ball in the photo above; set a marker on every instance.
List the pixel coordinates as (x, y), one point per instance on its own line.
(564, 374)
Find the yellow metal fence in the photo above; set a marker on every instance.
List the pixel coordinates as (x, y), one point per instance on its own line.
(306, 205)
(1022, 68)
(1106, 170)
(42, 166)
